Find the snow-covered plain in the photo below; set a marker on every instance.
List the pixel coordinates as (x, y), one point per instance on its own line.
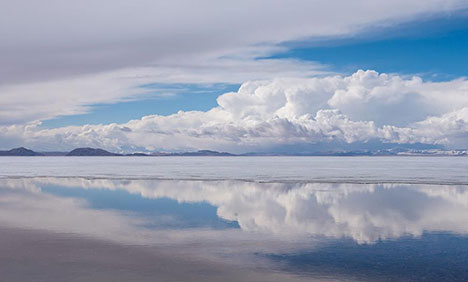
(430, 170)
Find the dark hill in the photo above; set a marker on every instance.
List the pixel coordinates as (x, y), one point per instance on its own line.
(90, 152)
(19, 152)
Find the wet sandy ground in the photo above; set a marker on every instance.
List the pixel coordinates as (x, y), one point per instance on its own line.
(40, 256)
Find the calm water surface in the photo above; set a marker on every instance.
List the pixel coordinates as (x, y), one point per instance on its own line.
(74, 228)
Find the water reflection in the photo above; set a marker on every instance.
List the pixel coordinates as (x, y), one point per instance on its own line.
(365, 213)
(279, 222)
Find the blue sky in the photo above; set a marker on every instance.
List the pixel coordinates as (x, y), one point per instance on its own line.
(434, 49)
(166, 100)
(440, 56)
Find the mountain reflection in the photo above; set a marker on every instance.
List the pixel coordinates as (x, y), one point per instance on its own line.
(363, 212)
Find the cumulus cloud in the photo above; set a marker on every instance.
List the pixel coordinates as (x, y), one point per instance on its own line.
(287, 111)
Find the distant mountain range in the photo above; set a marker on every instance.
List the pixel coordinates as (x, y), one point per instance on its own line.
(103, 153)
(91, 152)
(19, 152)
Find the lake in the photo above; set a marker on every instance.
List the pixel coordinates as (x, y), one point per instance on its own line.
(234, 218)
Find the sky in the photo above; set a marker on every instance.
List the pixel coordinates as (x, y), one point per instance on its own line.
(245, 76)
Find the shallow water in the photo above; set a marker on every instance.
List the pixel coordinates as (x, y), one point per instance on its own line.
(429, 170)
(109, 229)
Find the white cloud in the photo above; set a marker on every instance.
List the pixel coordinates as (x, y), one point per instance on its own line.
(68, 38)
(30, 102)
(286, 111)
(391, 99)
(448, 128)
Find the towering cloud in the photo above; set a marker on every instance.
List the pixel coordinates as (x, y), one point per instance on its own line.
(359, 108)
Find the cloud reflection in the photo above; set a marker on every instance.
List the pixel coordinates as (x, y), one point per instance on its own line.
(365, 213)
